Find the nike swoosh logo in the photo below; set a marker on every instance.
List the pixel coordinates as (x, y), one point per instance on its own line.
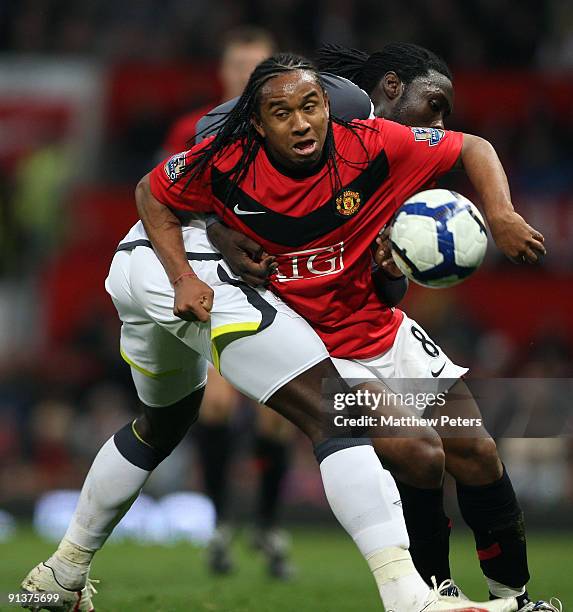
(436, 374)
(238, 211)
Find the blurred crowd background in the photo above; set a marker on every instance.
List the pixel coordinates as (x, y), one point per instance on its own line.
(88, 91)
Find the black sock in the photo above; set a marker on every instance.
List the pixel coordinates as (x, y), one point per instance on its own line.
(215, 444)
(429, 531)
(494, 515)
(521, 599)
(273, 462)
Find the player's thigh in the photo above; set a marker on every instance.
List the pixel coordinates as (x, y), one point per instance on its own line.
(394, 415)
(462, 427)
(422, 365)
(164, 369)
(462, 430)
(258, 343)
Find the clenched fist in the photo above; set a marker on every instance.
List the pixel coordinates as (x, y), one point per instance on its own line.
(193, 299)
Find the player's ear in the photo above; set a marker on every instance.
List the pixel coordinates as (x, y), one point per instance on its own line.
(392, 85)
(256, 123)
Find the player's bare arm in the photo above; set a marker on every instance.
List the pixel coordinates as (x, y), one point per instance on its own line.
(513, 236)
(193, 298)
(245, 257)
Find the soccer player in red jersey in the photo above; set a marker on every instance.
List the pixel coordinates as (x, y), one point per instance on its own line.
(242, 210)
(315, 192)
(410, 85)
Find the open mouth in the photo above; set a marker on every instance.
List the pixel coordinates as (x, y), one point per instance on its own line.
(306, 147)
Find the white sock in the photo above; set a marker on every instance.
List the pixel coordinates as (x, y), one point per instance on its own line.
(366, 502)
(399, 584)
(110, 488)
(501, 590)
(71, 565)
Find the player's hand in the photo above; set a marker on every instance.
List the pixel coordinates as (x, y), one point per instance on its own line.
(383, 255)
(193, 299)
(517, 239)
(245, 257)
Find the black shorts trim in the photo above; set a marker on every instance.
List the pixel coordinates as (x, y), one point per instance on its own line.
(268, 312)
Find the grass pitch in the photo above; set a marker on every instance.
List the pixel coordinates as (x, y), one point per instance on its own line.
(331, 577)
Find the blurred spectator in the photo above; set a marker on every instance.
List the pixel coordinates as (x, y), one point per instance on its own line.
(40, 180)
(51, 436)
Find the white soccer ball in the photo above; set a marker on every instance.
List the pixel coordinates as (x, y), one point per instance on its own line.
(438, 238)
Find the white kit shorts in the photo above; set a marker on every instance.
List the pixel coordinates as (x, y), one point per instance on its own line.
(413, 363)
(256, 341)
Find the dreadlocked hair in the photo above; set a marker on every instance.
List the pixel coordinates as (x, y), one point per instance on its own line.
(343, 61)
(237, 126)
(407, 60)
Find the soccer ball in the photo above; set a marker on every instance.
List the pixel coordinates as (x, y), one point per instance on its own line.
(438, 238)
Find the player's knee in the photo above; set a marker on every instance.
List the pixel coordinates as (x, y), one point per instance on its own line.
(416, 461)
(424, 460)
(164, 427)
(476, 460)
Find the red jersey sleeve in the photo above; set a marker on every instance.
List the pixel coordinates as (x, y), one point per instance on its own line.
(418, 156)
(170, 187)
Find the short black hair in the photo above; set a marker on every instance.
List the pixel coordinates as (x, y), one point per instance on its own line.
(407, 60)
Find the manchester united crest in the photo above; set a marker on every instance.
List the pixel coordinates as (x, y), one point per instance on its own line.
(348, 202)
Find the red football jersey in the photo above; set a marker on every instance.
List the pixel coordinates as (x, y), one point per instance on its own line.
(322, 241)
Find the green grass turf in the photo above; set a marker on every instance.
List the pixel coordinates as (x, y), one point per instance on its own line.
(331, 575)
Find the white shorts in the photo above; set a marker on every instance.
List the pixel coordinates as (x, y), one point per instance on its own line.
(257, 342)
(415, 362)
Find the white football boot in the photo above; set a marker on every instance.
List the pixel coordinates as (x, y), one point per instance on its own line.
(42, 580)
(446, 603)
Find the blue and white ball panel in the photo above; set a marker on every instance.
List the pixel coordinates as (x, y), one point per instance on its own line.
(417, 236)
(438, 238)
(463, 225)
